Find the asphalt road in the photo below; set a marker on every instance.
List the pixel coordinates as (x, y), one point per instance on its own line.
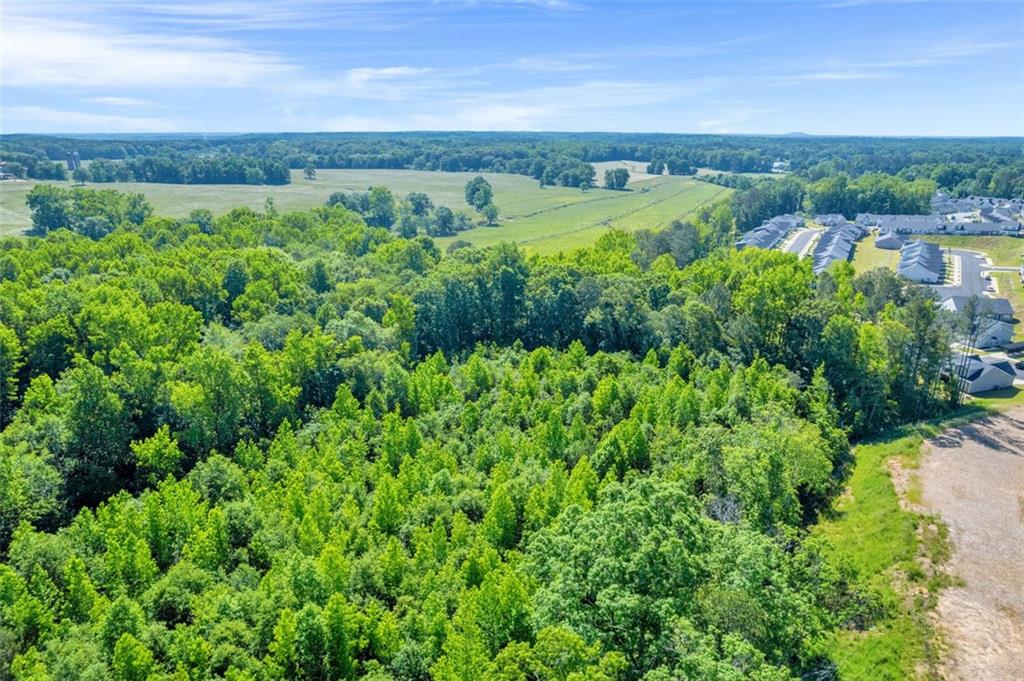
(971, 281)
(800, 241)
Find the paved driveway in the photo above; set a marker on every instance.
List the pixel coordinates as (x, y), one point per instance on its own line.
(972, 282)
(800, 241)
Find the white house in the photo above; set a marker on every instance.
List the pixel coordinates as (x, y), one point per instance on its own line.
(993, 333)
(978, 375)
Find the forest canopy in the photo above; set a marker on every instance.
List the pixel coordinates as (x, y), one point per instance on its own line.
(301, 446)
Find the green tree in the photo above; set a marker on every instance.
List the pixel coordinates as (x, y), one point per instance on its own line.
(616, 178)
(158, 456)
(10, 367)
(132, 661)
(382, 209)
(490, 213)
(479, 193)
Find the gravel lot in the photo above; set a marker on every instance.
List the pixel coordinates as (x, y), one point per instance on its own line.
(973, 477)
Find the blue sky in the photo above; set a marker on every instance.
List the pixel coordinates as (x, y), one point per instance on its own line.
(834, 67)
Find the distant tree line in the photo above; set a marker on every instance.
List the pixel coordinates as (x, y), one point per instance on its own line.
(758, 199)
(164, 169)
(991, 166)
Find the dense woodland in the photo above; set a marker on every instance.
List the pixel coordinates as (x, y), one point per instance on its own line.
(301, 446)
(762, 198)
(989, 167)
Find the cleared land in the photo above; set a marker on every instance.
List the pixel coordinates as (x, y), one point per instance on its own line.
(973, 477)
(542, 220)
(637, 170)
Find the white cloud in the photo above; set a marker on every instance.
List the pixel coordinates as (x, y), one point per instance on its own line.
(389, 82)
(51, 53)
(53, 120)
(119, 101)
(596, 105)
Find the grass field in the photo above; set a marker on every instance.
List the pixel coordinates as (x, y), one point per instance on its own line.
(581, 221)
(542, 220)
(1003, 250)
(868, 257)
(1009, 287)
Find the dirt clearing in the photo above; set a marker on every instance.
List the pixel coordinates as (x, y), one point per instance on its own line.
(973, 478)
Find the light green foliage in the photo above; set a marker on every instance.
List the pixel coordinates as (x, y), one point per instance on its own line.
(293, 446)
(132, 660)
(158, 456)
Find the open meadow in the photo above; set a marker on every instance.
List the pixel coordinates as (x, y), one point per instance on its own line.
(543, 220)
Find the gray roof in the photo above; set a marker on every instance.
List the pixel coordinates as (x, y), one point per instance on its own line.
(970, 367)
(921, 253)
(888, 239)
(998, 307)
(770, 232)
(829, 219)
(835, 243)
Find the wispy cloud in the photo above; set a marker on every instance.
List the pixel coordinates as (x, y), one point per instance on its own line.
(939, 52)
(551, 65)
(49, 53)
(849, 74)
(55, 120)
(118, 101)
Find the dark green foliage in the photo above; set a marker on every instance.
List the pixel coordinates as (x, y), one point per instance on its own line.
(616, 178)
(479, 193)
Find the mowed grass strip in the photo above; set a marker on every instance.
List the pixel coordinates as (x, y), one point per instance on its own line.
(650, 204)
(543, 220)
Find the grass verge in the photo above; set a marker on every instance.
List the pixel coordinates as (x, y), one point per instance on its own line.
(897, 551)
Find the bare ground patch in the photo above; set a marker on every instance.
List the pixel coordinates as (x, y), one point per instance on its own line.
(973, 478)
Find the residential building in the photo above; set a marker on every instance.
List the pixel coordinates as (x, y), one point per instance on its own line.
(830, 220)
(836, 243)
(994, 308)
(888, 240)
(977, 375)
(993, 333)
(920, 261)
(770, 232)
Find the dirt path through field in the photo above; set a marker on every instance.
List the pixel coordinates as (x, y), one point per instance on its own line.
(973, 477)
